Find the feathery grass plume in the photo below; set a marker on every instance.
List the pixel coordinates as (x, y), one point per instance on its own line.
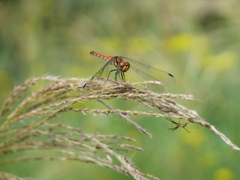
(26, 122)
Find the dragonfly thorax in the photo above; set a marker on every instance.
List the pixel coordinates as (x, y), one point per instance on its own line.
(120, 64)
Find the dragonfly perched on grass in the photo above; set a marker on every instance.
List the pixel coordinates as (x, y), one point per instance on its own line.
(124, 68)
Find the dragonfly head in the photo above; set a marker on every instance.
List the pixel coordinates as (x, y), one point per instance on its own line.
(124, 66)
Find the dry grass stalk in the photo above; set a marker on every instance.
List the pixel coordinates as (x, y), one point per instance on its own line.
(59, 96)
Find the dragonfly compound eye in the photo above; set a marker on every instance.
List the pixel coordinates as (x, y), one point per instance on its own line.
(124, 66)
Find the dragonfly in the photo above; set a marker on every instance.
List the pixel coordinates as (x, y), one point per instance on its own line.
(135, 70)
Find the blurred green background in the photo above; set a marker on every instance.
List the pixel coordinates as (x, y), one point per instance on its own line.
(197, 41)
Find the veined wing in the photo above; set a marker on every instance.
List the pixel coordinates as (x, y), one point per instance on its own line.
(102, 73)
(144, 72)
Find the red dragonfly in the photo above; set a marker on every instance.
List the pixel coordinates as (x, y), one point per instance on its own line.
(139, 71)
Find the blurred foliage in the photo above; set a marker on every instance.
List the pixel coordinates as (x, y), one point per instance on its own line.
(197, 41)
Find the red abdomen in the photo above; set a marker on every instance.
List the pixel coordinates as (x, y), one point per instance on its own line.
(101, 56)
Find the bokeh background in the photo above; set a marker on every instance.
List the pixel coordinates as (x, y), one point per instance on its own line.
(197, 41)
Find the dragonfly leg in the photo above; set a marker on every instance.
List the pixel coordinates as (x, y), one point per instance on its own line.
(122, 76)
(116, 75)
(110, 73)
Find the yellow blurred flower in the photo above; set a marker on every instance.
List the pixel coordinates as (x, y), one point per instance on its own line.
(223, 174)
(195, 140)
(180, 43)
(221, 62)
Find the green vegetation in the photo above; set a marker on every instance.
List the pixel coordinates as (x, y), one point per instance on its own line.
(197, 41)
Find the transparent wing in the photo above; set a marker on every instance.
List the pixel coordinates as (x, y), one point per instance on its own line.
(142, 72)
(104, 72)
(138, 72)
